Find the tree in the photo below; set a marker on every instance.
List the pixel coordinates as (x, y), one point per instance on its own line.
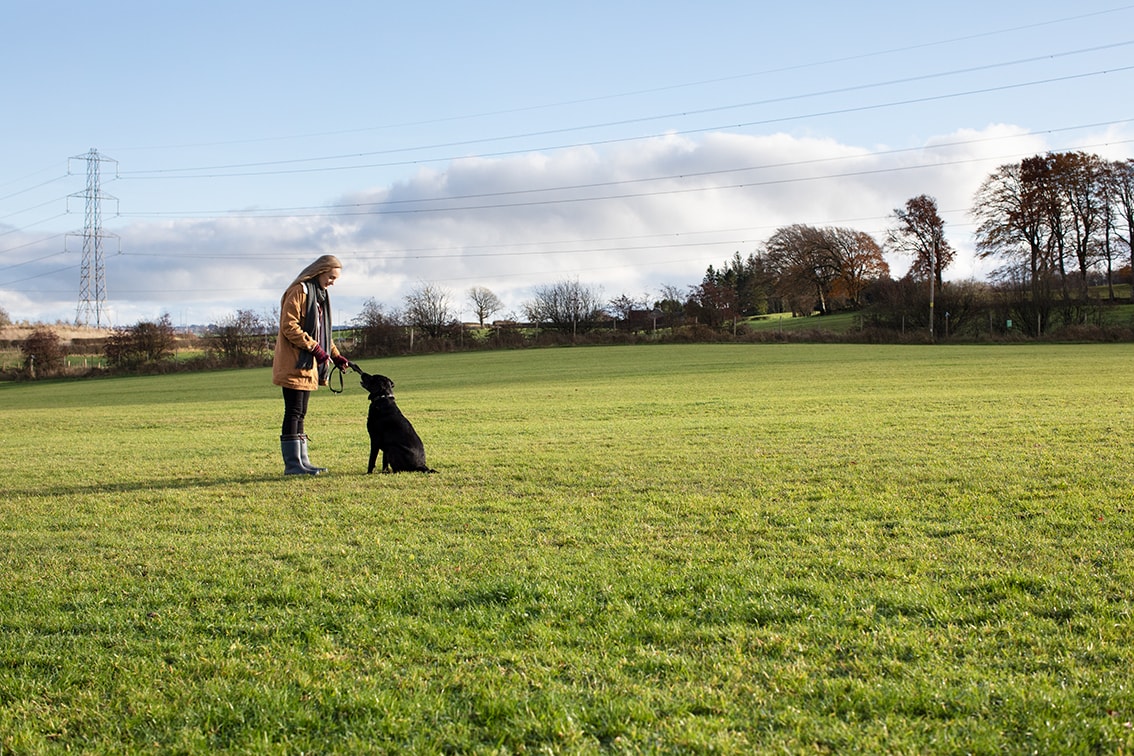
(240, 338)
(802, 270)
(816, 267)
(565, 306)
(1123, 188)
(624, 305)
(485, 304)
(860, 263)
(748, 278)
(1082, 179)
(670, 304)
(920, 233)
(144, 342)
(1051, 217)
(155, 340)
(1012, 208)
(378, 332)
(713, 304)
(1112, 239)
(5, 318)
(427, 308)
(43, 354)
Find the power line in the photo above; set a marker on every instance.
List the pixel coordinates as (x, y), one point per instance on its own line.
(34, 260)
(167, 173)
(666, 88)
(356, 209)
(33, 188)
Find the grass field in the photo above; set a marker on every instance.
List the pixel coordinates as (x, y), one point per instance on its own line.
(657, 549)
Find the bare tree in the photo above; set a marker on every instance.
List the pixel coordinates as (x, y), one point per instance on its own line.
(43, 353)
(1051, 216)
(564, 306)
(485, 304)
(378, 332)
(670, 304)
(144, 342)
(1082, 180)
(427, 308)
(1123, 188)
(240, 338)
(1010, 210)
(624, 305)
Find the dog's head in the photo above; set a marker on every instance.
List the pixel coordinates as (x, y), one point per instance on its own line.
(377, 385)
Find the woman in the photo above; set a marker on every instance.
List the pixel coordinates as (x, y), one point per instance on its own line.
(304, 349)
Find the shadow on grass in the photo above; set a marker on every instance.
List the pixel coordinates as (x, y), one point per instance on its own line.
(168, 484)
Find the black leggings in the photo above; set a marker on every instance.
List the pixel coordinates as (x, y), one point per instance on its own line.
(295, 409)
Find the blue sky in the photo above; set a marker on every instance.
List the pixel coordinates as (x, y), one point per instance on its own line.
(628, 145)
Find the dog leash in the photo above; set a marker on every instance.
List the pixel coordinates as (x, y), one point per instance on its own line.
(331, 376)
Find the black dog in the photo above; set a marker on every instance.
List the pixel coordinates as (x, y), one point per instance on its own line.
(390, 431)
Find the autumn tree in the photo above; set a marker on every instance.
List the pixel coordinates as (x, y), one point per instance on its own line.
(817, 266)
(860, 263)
(803, 269)
(920, 233)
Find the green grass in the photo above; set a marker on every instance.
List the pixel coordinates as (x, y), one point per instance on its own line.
(838, 322)
(728, 548)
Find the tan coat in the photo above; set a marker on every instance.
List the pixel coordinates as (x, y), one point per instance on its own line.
(292, 340)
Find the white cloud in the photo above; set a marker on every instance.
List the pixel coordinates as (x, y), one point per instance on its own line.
(628, 217)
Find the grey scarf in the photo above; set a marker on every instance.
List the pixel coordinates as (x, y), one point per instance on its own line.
(317, 325)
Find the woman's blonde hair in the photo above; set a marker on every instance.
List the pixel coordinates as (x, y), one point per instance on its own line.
(317, 268)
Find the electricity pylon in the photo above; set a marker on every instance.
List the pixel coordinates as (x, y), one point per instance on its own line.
(92, 274)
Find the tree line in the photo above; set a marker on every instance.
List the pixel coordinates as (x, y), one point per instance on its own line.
(1059, 224)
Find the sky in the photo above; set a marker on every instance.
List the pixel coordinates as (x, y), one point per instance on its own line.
(626, 145)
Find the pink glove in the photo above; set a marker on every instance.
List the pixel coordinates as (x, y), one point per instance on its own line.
(342, 363)
(320, 355)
